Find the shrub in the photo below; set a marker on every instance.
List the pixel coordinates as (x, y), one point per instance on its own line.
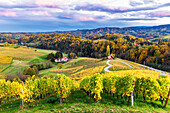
(60, 65)
(29, 71)
(41, 66)
(24, 77)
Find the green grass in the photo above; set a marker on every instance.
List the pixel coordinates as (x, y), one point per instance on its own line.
(48, 51)
(14, 69)
(78, 101)
(38, 59)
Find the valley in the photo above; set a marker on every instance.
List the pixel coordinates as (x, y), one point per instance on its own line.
(77, 70)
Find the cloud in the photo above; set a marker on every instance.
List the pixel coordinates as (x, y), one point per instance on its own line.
(86, 19)
(75, 14)
(94, 7)
(134, 19)
(8, 13)
(160, 14)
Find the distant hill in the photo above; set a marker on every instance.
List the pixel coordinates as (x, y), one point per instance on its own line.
(151, 32)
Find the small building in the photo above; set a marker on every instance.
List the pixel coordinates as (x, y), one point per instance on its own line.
(110, 57)
(62, 59)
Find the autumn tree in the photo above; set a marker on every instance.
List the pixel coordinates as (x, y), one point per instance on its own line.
(108, 51)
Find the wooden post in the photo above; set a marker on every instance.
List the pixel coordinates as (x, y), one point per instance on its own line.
(167, 99)
(97, 98)
(132, 98)
(22, 99)
(61, 98)
(22, 94)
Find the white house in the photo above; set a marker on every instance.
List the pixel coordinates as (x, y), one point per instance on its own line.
(62, 59)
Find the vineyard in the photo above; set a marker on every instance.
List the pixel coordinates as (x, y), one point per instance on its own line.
(133, 64)
(19, 53)
(35, 88)
(116, 66)
(4, 61)
(76, 66)
(144, 87)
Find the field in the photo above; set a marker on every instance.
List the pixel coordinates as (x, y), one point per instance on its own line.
(165, 37)
(5, 61)
(116, 66)
(76, 66)
(22, 58)
(20, 53)
(133, 64)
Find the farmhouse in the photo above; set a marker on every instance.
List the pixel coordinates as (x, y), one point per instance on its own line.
(62, 59)
(110, 57)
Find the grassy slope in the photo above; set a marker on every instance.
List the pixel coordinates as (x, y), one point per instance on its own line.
(81, 61)
(27, 55)
(78, 101)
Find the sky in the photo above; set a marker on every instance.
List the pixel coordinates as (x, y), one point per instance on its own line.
(64, 15)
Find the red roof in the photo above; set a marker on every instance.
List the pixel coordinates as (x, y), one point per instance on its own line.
(64, 58)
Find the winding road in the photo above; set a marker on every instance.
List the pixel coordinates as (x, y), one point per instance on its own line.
(125, 64)
(106, 69)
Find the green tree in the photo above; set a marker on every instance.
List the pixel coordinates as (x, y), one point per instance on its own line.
(51, 57)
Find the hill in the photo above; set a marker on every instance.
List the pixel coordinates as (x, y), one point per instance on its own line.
(139, 31)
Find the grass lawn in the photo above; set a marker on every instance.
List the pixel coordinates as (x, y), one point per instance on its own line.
(78, 101)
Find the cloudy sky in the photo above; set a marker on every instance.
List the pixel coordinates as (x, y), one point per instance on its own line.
(51, 15)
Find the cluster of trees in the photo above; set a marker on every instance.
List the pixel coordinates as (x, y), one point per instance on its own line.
(53, 56)
(123, 46)
(42, 65)
(12, 37)
(29, 71)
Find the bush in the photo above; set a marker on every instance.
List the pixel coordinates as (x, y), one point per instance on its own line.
(30, 71)
(10, 77)
(60, 65)
(24, 77)
(36, 70)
